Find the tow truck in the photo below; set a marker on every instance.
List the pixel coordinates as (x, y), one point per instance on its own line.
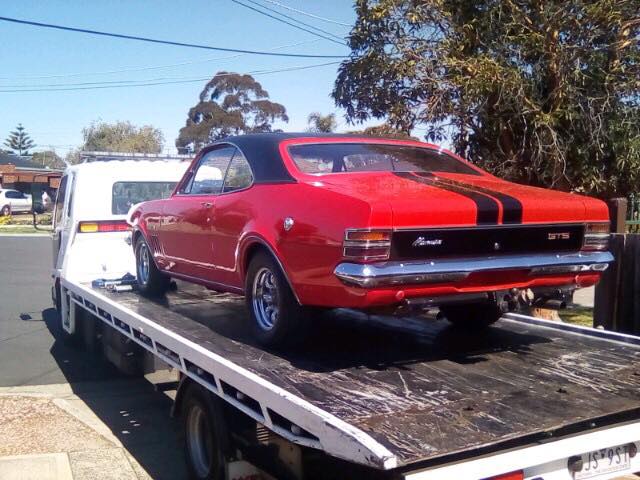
(370, 397)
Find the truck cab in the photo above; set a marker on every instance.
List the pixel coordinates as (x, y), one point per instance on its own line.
(91, 208)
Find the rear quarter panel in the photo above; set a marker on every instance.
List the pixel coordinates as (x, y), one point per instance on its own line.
(309, 251)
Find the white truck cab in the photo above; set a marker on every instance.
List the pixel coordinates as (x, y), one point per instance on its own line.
(91, 208)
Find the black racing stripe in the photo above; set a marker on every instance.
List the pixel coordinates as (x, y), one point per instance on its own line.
(487, 209)
(511, 206)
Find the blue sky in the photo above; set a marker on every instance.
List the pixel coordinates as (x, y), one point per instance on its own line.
(57, 118)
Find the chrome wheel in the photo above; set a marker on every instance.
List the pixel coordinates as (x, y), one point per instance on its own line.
(144, 264)
(199, 441)
(265, 298)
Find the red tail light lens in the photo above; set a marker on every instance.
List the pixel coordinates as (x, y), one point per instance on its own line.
(103, 226)
(367, 244)
(508, 476)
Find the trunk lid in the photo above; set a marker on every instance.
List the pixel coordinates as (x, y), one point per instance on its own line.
(427, 200)
(444, 215)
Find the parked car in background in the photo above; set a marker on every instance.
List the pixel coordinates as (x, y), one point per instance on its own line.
(296, 221)
(13, 201)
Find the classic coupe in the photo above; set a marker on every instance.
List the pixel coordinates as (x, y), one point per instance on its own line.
(298, 221)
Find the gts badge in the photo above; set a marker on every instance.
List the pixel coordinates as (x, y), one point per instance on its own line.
(559, 236)
(423, 242)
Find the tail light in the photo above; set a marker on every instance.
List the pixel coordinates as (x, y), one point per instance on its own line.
(508, 476)
(596, 236)
(367, 244)
(103, 226)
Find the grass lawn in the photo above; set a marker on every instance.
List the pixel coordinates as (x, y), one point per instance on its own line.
(578, 315)
(20, 229)
(21, 224)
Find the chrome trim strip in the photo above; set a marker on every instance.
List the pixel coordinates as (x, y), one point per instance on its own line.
(452, 270)
(207, 283)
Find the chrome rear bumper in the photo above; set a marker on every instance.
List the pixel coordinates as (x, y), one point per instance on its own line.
(453, 270)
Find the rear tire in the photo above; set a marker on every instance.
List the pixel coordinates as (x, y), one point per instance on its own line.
(277, 319)
(474, 316)
(203, 431)
(151, 281)
(6, 211)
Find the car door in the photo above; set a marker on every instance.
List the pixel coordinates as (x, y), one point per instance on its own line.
(10, 199)
(233, 210)
(188, 218)
(24, 201)
(18, 201)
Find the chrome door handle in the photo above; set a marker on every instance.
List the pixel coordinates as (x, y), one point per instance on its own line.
(206, 204)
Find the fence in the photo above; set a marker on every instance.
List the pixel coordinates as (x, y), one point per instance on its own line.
(633, 214)
(617, 296)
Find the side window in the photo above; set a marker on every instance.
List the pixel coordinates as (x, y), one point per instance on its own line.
(239, 175)
(62, 189)
(210, 172)
(13, 194)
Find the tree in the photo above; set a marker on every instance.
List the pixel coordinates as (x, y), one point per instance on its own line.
(122, 137)
(229, 104)
(48, 159)
(19, 141)
(384, 130)
(545, 93)
(319, 123)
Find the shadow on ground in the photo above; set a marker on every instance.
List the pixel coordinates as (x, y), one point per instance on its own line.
(135, 411)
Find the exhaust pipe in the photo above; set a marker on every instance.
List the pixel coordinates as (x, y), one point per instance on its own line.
(551, 304)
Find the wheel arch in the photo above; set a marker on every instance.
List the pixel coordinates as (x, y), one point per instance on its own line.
(135, 235)
(251, 246)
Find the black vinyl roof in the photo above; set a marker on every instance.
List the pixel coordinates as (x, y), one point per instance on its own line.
(262, 151)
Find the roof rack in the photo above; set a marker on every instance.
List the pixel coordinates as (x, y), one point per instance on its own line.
(113, 156)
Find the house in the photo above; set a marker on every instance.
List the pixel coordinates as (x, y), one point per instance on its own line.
(20, 173)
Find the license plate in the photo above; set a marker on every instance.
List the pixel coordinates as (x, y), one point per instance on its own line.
(604, 461)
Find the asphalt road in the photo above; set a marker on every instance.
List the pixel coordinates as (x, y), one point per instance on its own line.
(31, 349)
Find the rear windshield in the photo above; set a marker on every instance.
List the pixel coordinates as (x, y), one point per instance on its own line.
(125, 194)
(369, 157)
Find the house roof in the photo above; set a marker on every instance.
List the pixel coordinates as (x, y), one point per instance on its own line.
(20, 162)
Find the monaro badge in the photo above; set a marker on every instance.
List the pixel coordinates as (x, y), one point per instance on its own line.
(423, 242)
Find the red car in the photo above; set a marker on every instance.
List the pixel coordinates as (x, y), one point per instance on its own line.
(296, 220)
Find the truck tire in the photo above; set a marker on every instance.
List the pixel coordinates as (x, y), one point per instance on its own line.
(204, 435)
(474, 316)
(151, 281)
(277, 319)
(6, 211)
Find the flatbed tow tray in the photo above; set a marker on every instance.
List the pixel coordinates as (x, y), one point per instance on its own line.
(409, 398)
